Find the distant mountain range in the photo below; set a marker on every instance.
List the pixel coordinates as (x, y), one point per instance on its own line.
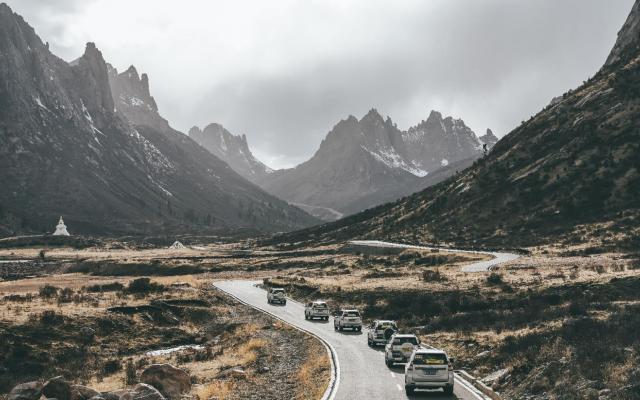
(568, 175)
(360, 164)
(80, 140)
(232, 149)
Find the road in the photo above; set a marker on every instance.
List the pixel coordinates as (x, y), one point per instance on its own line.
(361, 371)
(482, 266)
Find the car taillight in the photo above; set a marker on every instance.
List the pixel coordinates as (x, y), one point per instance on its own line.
(450, 366)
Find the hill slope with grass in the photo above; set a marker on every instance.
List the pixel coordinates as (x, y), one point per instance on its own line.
(569, 173)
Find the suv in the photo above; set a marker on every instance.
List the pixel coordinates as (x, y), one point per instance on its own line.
(347, 318)
(316, 309)
(276, 295)
(400, 348)
(380, 331)
(428, 369)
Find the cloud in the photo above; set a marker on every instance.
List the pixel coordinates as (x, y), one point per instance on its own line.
(284, 72)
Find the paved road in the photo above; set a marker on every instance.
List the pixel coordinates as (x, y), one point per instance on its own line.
(482, 266)
(362, 371)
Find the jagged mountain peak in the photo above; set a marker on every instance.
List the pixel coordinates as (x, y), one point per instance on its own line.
(628, 42)
(233, 149)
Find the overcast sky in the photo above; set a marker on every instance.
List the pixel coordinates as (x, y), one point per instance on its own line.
(285, 72)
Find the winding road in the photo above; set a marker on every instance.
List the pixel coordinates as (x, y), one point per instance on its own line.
(482, 266)
(360, 371)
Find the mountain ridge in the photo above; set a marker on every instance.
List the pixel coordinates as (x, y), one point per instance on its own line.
(67, 147)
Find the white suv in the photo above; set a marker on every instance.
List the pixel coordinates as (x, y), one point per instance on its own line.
(400, 348)
(428, 369)
(276, 295)
(316, 309)
(348, 318)
(380, 332)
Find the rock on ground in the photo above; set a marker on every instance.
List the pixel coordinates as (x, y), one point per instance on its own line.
(169, 380)
(26, 391)
(57, 388)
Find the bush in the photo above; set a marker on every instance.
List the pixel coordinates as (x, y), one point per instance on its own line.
(433, 276)
(50, 317)
(130, 375)
(107, 287)
(48, 291)
(495, 279)
(144, 285)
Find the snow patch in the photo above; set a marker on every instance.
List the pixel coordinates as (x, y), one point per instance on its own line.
(392, 159)
(444, 162)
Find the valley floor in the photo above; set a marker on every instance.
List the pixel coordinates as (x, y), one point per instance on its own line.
(557, 323)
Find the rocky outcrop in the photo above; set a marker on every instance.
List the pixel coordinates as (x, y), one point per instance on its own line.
(489, 139)
(58, 388)
(232, 149)
(29, 390)
(628, 42)
(172, 382)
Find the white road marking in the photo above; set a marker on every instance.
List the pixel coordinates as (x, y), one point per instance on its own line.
(393, 375)
(399, 387)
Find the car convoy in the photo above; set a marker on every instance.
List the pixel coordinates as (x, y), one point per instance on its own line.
(425, 367)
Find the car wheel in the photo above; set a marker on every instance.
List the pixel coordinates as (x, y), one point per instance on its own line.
(388, 362)
(409, 390)
(448, 390)
(284, 303)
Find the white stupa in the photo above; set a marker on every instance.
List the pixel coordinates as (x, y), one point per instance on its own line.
(61, 229)
(177, 245)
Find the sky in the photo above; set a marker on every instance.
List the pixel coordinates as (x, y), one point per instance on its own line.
(284, 72)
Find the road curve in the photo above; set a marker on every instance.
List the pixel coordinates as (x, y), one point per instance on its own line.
(362, 371)
(482, 266)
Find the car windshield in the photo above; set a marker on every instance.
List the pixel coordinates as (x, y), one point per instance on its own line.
(385, 325)
(319, 305)
(351, 314)
(429, 359)
(403, 340)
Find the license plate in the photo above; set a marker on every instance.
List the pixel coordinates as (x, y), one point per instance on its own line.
(430, 371)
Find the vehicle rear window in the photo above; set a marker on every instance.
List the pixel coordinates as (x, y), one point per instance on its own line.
(403, 340)
(430, 359)
(278, 290)
(386, 325)
(319, 305)
(351, 314)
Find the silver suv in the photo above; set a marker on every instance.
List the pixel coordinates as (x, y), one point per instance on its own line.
(316, 309)
(380, 332)
(348, 318)
(276, 295)
(428, 369)
(400, 348)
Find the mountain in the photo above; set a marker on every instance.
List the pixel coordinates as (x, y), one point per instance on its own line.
(568, 175)
(79, 140)
(436, 142)
(367, 162)
(232, 149)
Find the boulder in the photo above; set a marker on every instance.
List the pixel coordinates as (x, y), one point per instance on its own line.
(58, 388)
(169, 380)
(122, 394)
(142, 391)
(84, 392)
(26, 391)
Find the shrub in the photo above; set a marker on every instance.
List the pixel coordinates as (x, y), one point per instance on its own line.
(144, 285)
(107, 287)
(48, 291)
(50, 317)
(494, 279)
(130, 373)
(433, 276)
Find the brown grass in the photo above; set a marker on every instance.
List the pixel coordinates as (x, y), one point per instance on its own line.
(315, 373)
(220, 390)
